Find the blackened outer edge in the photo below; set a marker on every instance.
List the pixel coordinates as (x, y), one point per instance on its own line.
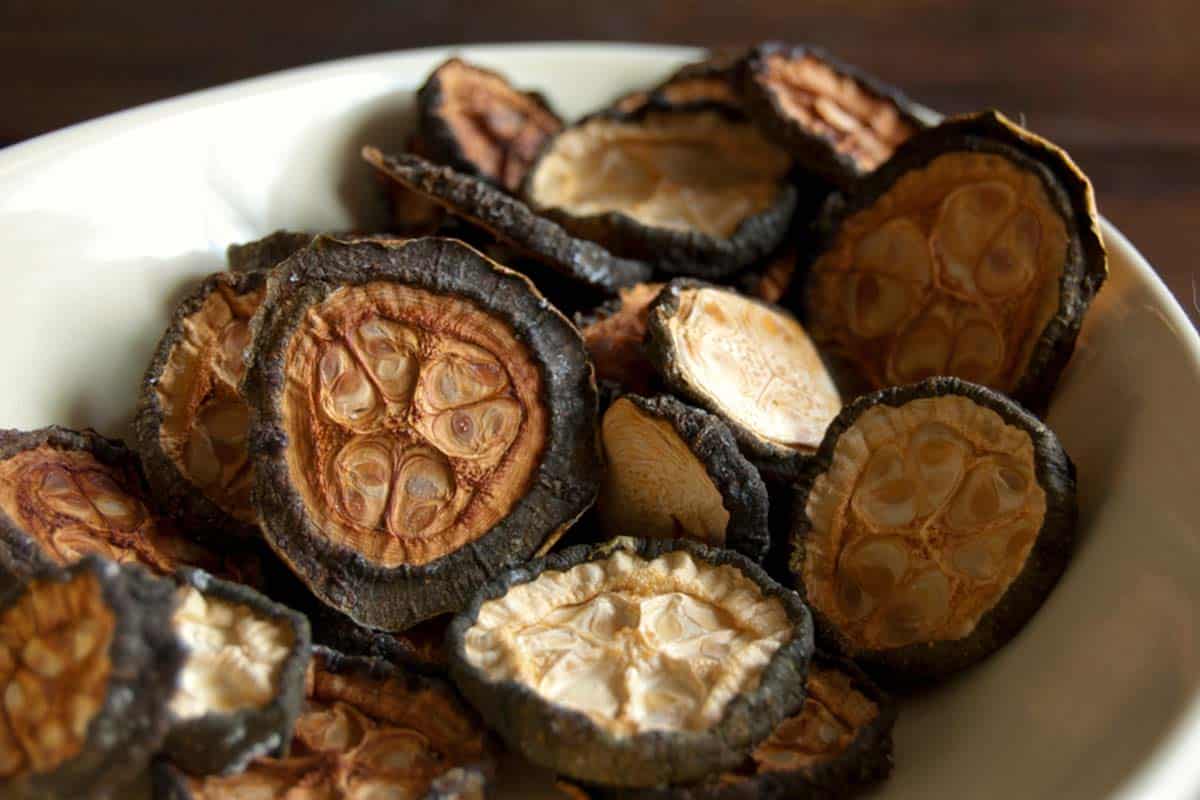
(145, 660)
(225, 742)
(670, 251)
(172, 493)
(564, 484)
(1084, 269)
(811, 150)
(1046, 562)
(569, 742)
(743, 493)
(265, 253)
(512, 222)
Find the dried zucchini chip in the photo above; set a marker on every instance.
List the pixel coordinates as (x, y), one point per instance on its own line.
(614, 334)
(635, 663)
(512, 222)
(192, 420)
(834, 119)
(931, 525)
(700, 83)
(692, 190)
(265, 253)
(673, 471)
(423, 419)
(242, 685)
(749, 363)
(472, 119)
(974, 253)
(87, 664)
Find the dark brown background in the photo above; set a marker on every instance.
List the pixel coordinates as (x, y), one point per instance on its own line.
(1114, 82)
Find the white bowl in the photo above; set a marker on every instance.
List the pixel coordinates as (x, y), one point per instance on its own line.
(103, 225)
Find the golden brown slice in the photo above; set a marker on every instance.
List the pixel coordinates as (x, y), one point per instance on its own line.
(614, 334)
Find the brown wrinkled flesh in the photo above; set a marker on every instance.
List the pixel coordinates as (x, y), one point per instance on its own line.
(757, 366)
(415, 420)
(615, 342)
(955, 270)
(835, 107)
(359, 739)
(54, 670)
(205, 419)
(635, 645)
(775, 277)
(73, 505)
(499, 129)
(684, 171)
(926, 515)
(654, 486)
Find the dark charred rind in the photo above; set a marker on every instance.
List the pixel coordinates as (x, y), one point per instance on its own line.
(740, 485)
(419, 648)
(1044, 566)
(812, 150)
(709, 81)
(512, 222)
(562, 487)
(266, 252)
(440, 143)
(1070, 192)
(223, 743)
(145, 660)
(670, 251)
(570, 743)
(171, 493)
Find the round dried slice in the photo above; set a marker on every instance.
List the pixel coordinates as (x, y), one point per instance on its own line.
(265, 253)
(614, 334)
(973, 253)
(700, 83)
(368, 730)
(748, 362)
(242, 685)
(87, 664)
(673, 471)
(423, 418)
(834, 119)
(931, 525)
(692, 190)
(192, 420)
(512, 222)
(472, 119)
(635, 663)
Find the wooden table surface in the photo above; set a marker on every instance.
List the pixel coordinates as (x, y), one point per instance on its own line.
(1115, 83)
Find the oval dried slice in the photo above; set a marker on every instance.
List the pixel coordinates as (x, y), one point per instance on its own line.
(472, 119)
(931, 525)
(403, 396)
(974, 252)
(652, 661)
(748, 362)
(614, 334)
(693, 190)
(673, 471)
(242, 686)
(87, 663)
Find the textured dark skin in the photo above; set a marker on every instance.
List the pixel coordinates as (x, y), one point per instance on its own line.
(266, 252)
(1044, 566)
(570, 743)
(563, 486)
(223, 743)
(675, 252)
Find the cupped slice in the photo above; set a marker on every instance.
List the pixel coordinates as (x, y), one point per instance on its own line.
(423, 419)
(974, 253)
(673, 471)
(692, 190)
(651, 661)
(931, 525)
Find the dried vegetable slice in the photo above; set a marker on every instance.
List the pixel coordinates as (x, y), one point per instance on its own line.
(700, 83)
(614, 334)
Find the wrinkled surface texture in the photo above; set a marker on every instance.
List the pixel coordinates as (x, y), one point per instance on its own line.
(655, 486)
(694, 171)
(955, 270)
(234, 655)
(926, 515)
(54, 671)
(615, 342)
(204, 418)
(634, 645)
(756, 365)
(415, 420)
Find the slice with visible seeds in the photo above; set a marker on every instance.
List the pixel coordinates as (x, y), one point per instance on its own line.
(673, 471)
(614, 335)
(931, 525)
